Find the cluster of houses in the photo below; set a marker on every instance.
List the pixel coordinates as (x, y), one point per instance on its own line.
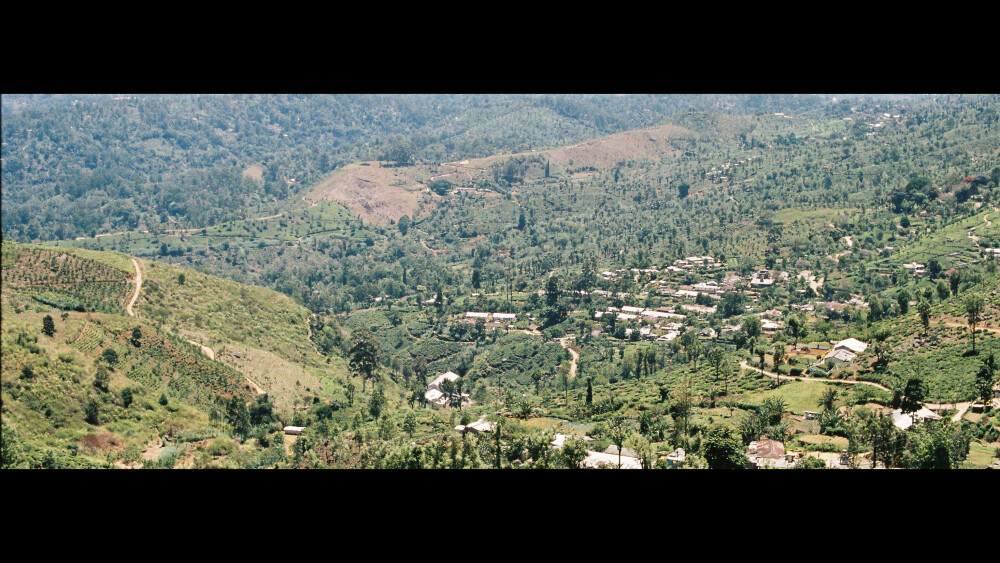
(771, 454)
(837, 307)
(903, 421)
(480, 426)
(659, 317)
(492, 321)
(697, 262)
(608, 458)
(718, 173)
(760, 454)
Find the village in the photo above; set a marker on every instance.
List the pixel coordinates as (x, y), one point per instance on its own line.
(687, 295)
(760, 454)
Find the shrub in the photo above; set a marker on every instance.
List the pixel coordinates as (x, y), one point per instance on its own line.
(110, 356)
(92, 412)
(102, 378)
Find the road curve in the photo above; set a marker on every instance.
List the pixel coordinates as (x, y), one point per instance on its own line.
(745, 365)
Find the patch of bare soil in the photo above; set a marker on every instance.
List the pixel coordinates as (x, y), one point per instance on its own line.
(652, 142)
(376, 194)
(103, 443)
(254, 171)
(153, 448)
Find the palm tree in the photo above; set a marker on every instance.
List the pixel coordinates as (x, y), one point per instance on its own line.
(827, 399)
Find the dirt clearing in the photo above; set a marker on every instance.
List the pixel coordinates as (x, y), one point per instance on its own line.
(376, 194)
(604, 152)
(254, 171)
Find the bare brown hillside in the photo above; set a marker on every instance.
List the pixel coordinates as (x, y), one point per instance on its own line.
(376, 194)
(379, 194)
(652, 142)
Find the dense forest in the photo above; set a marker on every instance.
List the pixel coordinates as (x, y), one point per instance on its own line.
(83, 165)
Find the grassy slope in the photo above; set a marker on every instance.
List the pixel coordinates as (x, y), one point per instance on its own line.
(265, 328)
(47, 408)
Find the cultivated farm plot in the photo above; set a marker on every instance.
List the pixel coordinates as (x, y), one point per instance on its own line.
(811, 215)
(117, 260)
(980, 455)
(838, 441)
(325, 217)
(90, 336)
(950, 245)
(602, 153)
(66, 280)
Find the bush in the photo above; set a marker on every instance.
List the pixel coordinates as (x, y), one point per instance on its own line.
(810, 463)
(110, 356)
(102, 378)
(168, 458)
(92, 412)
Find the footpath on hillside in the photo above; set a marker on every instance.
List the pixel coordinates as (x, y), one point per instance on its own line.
(138, 287)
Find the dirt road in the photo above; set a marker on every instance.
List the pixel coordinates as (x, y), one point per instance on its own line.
(975, 238)
(576, 356)
(204, 350)
(256, 388)
(745, 365)
(961, 408)
(138, 286)
(211, 355)
(435, 252)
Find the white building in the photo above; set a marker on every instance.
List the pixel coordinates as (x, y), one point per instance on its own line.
(434, 393)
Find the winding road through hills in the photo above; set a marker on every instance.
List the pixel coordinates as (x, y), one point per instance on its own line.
(204, 349)
(138, 287)
(564, 342)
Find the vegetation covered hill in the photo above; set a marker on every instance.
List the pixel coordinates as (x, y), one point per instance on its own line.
(683, 277)
(102, 388)
(89, 165)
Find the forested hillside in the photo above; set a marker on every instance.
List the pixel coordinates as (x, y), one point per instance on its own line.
(80, 166)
